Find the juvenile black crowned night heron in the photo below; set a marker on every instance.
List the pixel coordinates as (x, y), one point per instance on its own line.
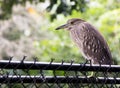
(91, 43)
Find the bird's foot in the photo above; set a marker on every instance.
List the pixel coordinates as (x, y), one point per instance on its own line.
(91, 75)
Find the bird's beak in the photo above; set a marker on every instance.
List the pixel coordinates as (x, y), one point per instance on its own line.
(62, 27)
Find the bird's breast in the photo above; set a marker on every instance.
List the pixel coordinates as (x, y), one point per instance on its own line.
(77, 37)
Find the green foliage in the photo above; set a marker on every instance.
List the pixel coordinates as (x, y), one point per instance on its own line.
(58, 49)
(6, 7)
(66, 7)
(55, 7)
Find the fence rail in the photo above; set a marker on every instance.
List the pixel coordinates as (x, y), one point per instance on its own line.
(4, 64)
(29, 74)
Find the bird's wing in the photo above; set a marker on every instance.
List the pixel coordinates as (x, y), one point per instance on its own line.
(96, 47)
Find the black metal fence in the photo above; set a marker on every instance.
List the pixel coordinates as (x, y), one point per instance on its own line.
(34, 74)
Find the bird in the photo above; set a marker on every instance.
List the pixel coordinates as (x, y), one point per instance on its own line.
(89, 40)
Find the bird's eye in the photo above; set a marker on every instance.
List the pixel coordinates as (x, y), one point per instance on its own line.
(72, 22)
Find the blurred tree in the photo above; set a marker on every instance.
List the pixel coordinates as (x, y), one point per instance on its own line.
(65, 7)
(55, 6)
(20, 31)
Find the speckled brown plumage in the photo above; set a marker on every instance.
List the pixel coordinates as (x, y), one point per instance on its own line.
(91, 43)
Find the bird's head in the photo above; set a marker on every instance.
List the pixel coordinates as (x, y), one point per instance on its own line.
(70, 24)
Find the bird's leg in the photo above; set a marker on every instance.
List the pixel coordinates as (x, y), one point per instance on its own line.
(85, 73)
(92, 73)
